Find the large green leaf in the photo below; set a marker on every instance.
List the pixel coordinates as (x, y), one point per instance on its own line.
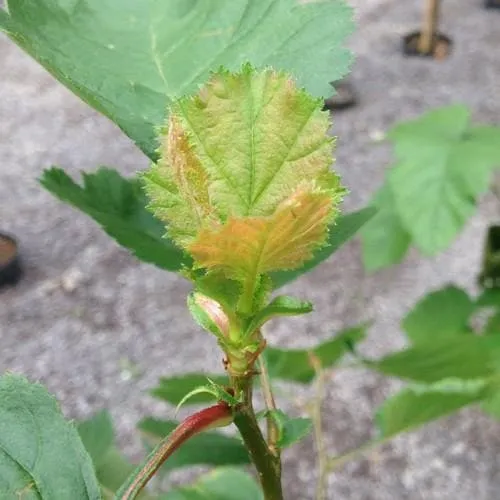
(174, 389)
(418, 405)
(441, 314)
(444, 165)
(112, 469)
(208, 448)
(118, 205)
(295, 364)
(463, 357)
(341, 232)
(41, 455)
(223, 483)
(127, 58)
(384, 239)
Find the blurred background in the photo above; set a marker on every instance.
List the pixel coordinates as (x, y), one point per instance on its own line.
(99, 328)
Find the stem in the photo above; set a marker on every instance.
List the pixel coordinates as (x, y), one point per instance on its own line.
(431, 17)
(272, 428)
(200, 421)
(336, 462)
(268, 465)
(318, 428)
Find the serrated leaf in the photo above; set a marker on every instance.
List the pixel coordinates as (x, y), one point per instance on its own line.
(173, 389)
(41, 455)
(295, 364)
(418, 405)
(260, 204)
(444, 165)
(441, 314)
(341, 232)
(209, 448)
(283, 305)
(127, 58)
(384, 240)
(118, 205)
(245, 248)
(463, 357)
(291, 430)
(223, 483)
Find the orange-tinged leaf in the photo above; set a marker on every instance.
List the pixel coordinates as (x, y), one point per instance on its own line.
(178, 186)
(246, 247)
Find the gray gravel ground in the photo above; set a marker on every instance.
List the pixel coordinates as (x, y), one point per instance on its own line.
(86, 310)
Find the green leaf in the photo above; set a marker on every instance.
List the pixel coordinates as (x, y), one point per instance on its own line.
(465, 357)
(174, 389)
(223, 483)
(444, 165)
(341, 232)
(440, 314)
(118, 205)
(41, 455)
(418, 405)
(491, 404)
(217, 392)
(208, 448)
(127, 58)
(261, 203)
(291, 430)
(489, 298)
(97, 435)
(492, 326)
(282, 305)
(295, 365)
(384, 239)
(112, 469)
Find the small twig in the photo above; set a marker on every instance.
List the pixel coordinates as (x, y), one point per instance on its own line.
(272, 427)
(336, 462)
(316, 405)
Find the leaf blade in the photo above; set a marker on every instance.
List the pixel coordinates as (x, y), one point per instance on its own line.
(37, 441)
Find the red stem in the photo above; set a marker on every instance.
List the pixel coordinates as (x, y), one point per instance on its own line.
(214, 416)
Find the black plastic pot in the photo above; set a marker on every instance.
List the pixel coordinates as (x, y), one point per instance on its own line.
(490, 274)
(345, 96)
(441, 46)
(10, 263)
(492, 4)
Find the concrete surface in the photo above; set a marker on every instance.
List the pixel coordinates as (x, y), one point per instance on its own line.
(99, 328)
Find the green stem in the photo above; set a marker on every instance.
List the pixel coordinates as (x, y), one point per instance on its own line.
(272, 428)
(267, 464)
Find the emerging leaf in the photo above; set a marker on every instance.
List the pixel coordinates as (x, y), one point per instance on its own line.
(244, 179)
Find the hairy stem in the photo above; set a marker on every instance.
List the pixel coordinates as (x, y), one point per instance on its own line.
(272, 428)
(268, 465)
